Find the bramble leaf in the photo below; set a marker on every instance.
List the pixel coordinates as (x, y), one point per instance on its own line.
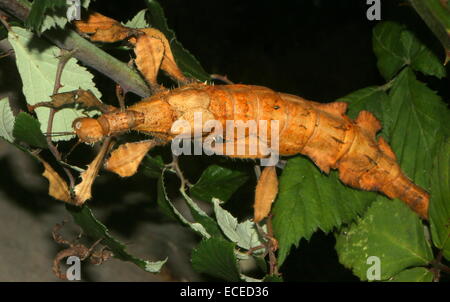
(138, 21)
(27, 129)
(416, 274)
(168, 208)
(244, 234)
(396, 47)
(414, 122)
(440, 199)
(309, 200)
(215, 256)
(217, 182)
(390, 231)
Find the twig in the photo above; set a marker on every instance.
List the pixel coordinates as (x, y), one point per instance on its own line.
(270, 244)
(6, 54)
(120, 94)
(174, 165)
(63, 59)
(3, 20)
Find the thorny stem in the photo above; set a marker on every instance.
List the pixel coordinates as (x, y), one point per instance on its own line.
(174, 165)
(63, 59)
(270, 244)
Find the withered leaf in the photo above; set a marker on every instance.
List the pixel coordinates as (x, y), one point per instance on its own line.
(266, 191)
(153, 51)
(125, 160)
(102, 28)
(58, 187)
(152, 48)
(83, 189)
(149, 55)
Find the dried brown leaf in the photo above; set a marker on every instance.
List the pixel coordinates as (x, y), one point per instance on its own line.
(125, 160)
(153, 51)
(102, 28)
(58, 187)
(266, 191)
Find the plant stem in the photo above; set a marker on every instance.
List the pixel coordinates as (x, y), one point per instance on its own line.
(53, 149)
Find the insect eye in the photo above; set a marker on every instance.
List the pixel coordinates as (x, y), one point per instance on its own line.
(78, 125)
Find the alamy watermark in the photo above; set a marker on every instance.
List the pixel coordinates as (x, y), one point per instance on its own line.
(374, 11)
(373, 273)
(73, 10)
(73, 272)
(246, 139)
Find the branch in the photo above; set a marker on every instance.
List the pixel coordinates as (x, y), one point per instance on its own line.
(86, 52)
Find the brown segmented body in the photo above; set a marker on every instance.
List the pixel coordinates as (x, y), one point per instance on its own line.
(320, 131)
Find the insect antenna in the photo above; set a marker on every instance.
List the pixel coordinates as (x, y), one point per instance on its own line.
(59, 133)
(71, 149)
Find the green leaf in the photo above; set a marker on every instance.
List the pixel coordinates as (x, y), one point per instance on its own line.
(414, 121)
(201, 217)
(244, 234)
(6, 120)
(84, 217)
(57, 19)
(168, 208)
(370, 98)
(37, 63)
(27, 129)
(416, 274)
(184, 59)
(440, 199)
(309, 200)
(420, 57)
(217, 182)
(215, 257)
(138, 21)
(436, 14)
(388, 48)
(396, 47)
(38, 11)
(153, 166)
(390, 231)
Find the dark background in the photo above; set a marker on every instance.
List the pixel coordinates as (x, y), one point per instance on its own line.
(318, 49)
